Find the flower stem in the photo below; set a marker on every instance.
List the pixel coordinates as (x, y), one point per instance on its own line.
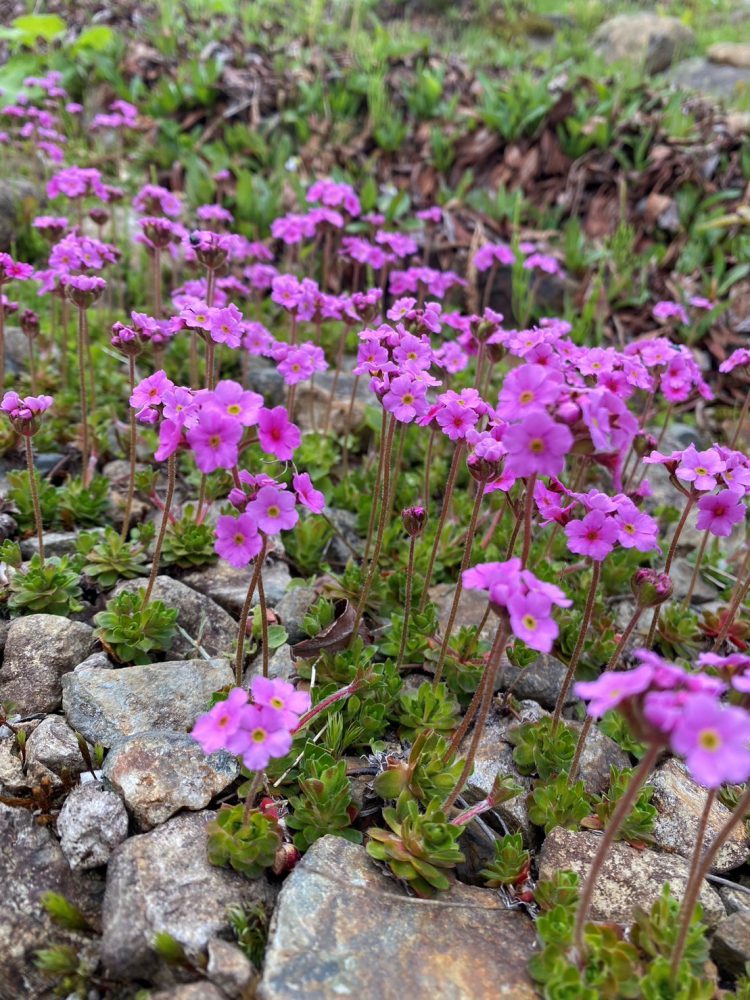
(738, 594)
(348, 423)
(427, 469)
(171, 471)
(263, 623)
(131, 455)
(244, 614)
(668, 565)
(702, 869)
(696, 570)
(251, 795)
(2, 340)
(83, 395)
(596, 568)
(32, 365)
(618, 817)
(378, 489)
(441, 523)
(740, 420)
(487, 685)
(407, 605)
(527, 512)
(335, 380)
(465, 559)
(385, 504)
(343, 692)
(34, 496)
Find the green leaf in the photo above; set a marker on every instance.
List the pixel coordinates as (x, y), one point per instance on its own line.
(97, 38)
(35, 26)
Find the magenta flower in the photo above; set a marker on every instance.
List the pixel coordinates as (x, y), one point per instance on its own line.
(405, 399)
(237, 539)
(719, 512)
(282, 697)
(666, 310)
(215, 730)
(636, 530)
(225, 326)
(262, 736)
(737, 359)
(277, 434)
(537, 446)
(613, 687)
(215, 440)
(274, 510)
(306, 493)
(531, 620)
(594, 535)
(296, 365)
(151, 391)
(241, 404)
(713, 738)
(526, 388)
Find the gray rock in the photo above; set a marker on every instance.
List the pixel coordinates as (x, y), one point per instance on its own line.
(472, 605)
(680, 802)
(629, 878)
(205, 622)
(56, 543)
(13, 193)
(345, 522)
(53, 744)
(265, 378)
(681, 574)
(91, 824)
(228, 586)
(730, 54)
(280, 665)
(159, 773)
(717, 82)
(734, 898)
(540, 681)
(311, 400)
(599, 755)
(163, 881)
(39, 650)
(190, 991)
(31, 864)
(107, 705)
(731, 943)
(230, 969)
(97, 661)
(372, 941)
(13, 778)
(292, 608)
(647, 39)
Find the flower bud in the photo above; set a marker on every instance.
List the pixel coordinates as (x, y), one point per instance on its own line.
(483, 468)
(99, 216)
(413, 519)
(29, 323)
(568, 412)
(644, 444)
(650, 588)
(495, 352)
(286, 858)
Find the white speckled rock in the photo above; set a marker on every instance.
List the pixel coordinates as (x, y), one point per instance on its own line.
(91, 824)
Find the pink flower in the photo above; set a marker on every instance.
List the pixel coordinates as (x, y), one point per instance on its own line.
(665, 310)
(225, 326)
(262, 737)
(738, 358)
(237, 539)
(241, 404)
(612, 688)
(636, 530)
(151, 391)
(531, 620)
(297, 365)
(538, 445)
(306, 493)
(713, 738)
(274, 510)
(277, 434)
(215, 440)
(700, 468)
(215, 730)
(594, 535)
(720, 512)
(526, 388)
(282, 697)
(405, 399)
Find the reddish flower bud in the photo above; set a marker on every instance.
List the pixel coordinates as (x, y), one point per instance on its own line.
(413, 519)
(650, 588)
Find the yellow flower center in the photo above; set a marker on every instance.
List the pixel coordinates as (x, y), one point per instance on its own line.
(214, 441)
(258, 735)
(536, 445)
(700, 471)
(273, 511)
(529, 622)
(234, 409)
(239, 539)
(526, 397)
(277, 702)
(709, 739)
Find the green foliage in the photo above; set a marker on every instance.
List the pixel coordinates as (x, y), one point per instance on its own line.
(655, 933)
(20, 496)
(135, 634)
(109, 558)
(540, 750)
(10, 553)
(318, 616)
(429, 773)
(560, 890)
(306, 543)
(63, 912)
(511, 862)
(187, 544)
(325, 804)
(249, 846)
(169, 949)
(427, 708)
(616, 726)
(52, 588)
(558, 802)
(84, 506)
(418, 846)
(638, 827)
(678, 633)
(249, 925)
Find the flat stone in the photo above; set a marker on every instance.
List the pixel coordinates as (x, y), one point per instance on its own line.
(31, 864)
(730, 947)
(97, 661)
(230, 969)
(205, 622)
(53, 744)
(629, 877)
(599, 755)
(228, 586)
(39, 650)
(107, 705)
(540, 681)
(734, 898)
(56, 543)
(13, 778)
(681, 574)
(730, 54)
(159, 773)
(472, 605)
(163, 881)
(342, 927)
(346, 539)
(680, 801)
(91, 824)
(190, 991)
(280, 665)
(292, 608)
(647, 39)
(712, 80)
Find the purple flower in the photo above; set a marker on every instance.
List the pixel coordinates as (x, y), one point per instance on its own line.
(241, 404)
(665, 310)
(277, 434)
(405, 398)
(636, 530)
(538, 445)
(215, 730)
(282, 697)
(274, 510)
(531, 620)
(262, 736)
(612, 688)
(713, 738)
(719, 512)
(237, 539)
(594, 535)
(701, 468)
(151, 391)
(306, 493)
(215, 440)
(526, 388)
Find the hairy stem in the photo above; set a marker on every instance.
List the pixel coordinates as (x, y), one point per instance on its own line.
(668, 565)
(171, 472)
(570, 673)
(131, 454)
(34, 496)
(527, 512)
(441, 523)
(83, 395)
(263, 624)
(244, 614)
(407, 605)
